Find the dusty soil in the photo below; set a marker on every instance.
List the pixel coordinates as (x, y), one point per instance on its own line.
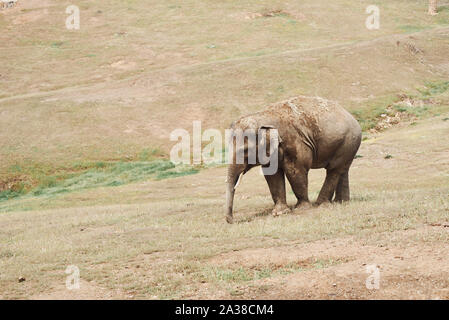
(408, 269)
(87, 291)
(132, 74)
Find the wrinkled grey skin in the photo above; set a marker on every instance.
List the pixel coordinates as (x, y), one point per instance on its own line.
(313, 133)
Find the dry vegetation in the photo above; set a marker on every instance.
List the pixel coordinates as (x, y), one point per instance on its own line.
(85, 118)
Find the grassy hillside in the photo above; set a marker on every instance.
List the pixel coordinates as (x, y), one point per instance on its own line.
(169, 239)
(85, 119)
(113, 89)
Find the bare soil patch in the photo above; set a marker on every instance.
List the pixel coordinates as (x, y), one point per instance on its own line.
(408, 270)
(86, 291)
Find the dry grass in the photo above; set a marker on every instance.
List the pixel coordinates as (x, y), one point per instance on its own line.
(109, 93)
(114, 85)
(162, 248)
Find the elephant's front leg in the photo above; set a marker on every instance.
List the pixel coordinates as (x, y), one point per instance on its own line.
(276, 183)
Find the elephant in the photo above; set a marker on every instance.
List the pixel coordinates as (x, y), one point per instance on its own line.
(312, 133)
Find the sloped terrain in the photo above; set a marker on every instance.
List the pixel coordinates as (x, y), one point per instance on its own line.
(169, 239)
(135, 71)
(85, 119)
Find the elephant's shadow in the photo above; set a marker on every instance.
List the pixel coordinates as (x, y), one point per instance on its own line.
(294, 211)
(261, 213)
(267, 211)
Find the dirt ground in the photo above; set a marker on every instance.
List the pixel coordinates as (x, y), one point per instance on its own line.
(132, 74)
(173, 242)
(408, 270)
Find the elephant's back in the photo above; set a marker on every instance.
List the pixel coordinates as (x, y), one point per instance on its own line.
(318, 116)
(310, 111)
(304, 106)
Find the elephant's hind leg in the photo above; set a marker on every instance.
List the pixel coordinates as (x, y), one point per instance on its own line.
(342, 192)
(276, 183)
(329, 186)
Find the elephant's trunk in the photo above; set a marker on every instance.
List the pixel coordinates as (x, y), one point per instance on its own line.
(233, 178)
(229, 201)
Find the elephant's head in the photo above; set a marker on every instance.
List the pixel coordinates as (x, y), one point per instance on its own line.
(250, 143)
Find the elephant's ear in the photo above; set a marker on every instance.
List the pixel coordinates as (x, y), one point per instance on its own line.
(268, 127)
(271, 143)
(268, 141)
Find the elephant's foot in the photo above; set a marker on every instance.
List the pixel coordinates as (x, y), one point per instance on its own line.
(303, 205)
(337, 200)
(280, 209)
(325, 203)
(319, 203)
(229, 219)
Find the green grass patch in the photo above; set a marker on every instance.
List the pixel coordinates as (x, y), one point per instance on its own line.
(10, 194)
(102, 174)
(36, 176)
(416, 111)
(177, 172)
(105, 176)
(370, 115)
(434, 88)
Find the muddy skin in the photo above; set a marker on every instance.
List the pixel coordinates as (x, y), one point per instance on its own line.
(313, 133)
